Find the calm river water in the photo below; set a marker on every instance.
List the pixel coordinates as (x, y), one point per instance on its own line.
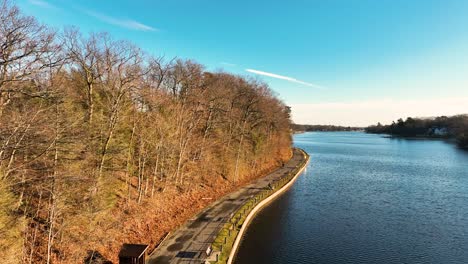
(367, 199)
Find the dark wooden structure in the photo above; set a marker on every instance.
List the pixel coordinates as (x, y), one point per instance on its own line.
(133, 254)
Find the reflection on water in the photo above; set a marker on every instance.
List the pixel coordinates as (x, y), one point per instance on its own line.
(367, 199)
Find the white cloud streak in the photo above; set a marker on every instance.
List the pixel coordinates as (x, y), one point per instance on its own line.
(228, 64)
(43, 4)
(124, 23)
(282, 77)
(364, 113)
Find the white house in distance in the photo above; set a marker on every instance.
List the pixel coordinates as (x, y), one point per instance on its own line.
(438, 131)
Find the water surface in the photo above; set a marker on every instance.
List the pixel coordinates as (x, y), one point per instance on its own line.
(367, 199)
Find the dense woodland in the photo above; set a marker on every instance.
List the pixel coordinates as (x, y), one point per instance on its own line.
(101, 143)
(452, 127)
(326, 128)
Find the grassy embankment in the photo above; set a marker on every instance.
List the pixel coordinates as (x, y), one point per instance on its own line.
(226, 237)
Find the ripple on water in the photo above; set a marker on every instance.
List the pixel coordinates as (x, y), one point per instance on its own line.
(367, 199)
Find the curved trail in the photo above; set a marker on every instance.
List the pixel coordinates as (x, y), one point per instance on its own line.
(189, 243)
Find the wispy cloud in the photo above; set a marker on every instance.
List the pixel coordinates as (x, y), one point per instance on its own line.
(124, 23)
(286, 78)
(43, 4)
(228, 64)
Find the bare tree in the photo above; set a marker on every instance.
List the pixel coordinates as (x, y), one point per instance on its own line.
(86, 55)
(92, 129)
(24, 45)
(121, 73)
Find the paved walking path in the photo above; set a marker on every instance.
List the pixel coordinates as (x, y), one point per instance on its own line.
(189, 243)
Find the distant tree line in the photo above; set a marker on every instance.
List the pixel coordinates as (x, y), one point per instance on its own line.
(325, 128)
(91, 126)
(442, 126)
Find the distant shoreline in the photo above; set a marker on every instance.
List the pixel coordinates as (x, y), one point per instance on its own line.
(443, 127)
(298, 128)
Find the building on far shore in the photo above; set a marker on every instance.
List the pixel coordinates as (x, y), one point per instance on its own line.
(438, 131)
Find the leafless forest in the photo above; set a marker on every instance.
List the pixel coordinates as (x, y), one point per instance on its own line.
(101, 143)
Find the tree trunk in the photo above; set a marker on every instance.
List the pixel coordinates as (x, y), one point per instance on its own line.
(239, 149)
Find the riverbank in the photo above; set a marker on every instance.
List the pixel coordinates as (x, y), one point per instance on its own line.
(192, 242)
(460, 142)
(281, 187)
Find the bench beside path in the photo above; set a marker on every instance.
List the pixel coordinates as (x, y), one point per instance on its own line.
(190, 242)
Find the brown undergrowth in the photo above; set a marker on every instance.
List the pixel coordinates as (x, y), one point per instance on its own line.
(149, 222)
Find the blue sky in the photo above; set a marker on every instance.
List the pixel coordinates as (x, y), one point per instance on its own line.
(347, 62)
